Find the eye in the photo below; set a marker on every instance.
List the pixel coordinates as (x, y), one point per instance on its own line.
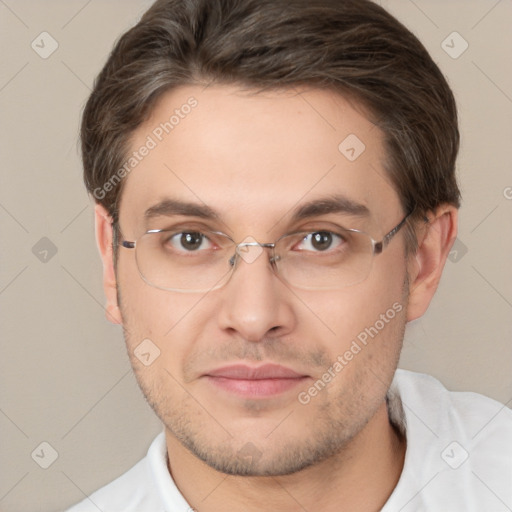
(320, 241)
(189, 241)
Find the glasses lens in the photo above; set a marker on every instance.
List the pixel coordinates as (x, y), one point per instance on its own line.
(201, 261)
(184, 260)
(324, 260)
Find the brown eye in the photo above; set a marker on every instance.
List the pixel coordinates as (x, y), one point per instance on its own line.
(189, 241)
(320, 241)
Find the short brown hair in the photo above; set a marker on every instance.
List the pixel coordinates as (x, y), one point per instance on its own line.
(353, 47)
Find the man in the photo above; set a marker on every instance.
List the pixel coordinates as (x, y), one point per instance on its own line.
(276, 199)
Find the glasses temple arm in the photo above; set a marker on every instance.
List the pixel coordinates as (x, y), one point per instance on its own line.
(379, 246)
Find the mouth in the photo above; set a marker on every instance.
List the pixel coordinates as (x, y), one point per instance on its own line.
(255, 382)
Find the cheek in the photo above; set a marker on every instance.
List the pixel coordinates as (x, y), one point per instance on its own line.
(146, 309)
(342, 315)
(171, 322)
(385, 285)
(367, 325)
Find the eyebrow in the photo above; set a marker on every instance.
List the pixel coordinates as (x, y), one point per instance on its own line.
(170, 207)
(314, 208)
(330, 204)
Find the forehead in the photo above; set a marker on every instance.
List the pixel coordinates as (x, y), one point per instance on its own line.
(254, 157)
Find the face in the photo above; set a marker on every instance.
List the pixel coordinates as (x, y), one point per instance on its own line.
(255, 160)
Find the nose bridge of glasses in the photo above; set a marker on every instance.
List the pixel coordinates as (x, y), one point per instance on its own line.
(250, 250)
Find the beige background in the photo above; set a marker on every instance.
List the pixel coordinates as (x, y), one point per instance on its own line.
(64, 373)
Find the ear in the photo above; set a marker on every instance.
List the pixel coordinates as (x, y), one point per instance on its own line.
(104, 234)
(434, 243)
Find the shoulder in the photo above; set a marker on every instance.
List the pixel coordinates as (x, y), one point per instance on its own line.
(464, 413)
(133, 491)
(459, 448)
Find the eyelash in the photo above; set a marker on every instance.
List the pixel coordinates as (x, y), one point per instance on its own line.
(336, 236)
(202, 228)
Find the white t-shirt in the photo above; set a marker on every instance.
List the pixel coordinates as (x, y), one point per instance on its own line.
(458, 458)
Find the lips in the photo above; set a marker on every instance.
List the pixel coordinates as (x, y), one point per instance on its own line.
(267, 371)
(260, 382)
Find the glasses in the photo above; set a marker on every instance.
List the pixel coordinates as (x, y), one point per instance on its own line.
(185, 259)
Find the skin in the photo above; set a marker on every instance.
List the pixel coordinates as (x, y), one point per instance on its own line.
(254, 158)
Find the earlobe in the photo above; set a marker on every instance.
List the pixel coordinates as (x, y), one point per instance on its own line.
(104, 234)
(434, 244)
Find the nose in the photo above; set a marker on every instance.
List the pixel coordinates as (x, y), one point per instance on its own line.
(256, 304)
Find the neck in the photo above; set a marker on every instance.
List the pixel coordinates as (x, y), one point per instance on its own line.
(360, 478)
